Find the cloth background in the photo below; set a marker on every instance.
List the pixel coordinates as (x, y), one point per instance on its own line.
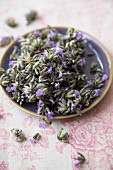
(91, 134)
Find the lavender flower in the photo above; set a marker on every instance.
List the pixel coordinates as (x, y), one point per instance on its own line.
(37, 33)
(64, 64)
(79, 106)
(82, 62)
(8, 89)
(97, 92)
(59, 51)
(41, 103)
(77, 165)
(50, 70)
(50, 115)
(60, 74)
(13, 88)
(32, 140)
(57, 85)
(50, 44)
(62, 39)
(40, 92)
(11, 62)
(73, 106)
(104, 77)
(51, 34)
(79, 35)
(76, 94)
(52, 101)
(89, 82)
(42, 125)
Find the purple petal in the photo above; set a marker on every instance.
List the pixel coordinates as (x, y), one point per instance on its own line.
(79, 35)
(37, 33)
(11, 62)
(42, 125)
(50, 44)
(76, 94)
(89, 82)
(64, 64)
(57, 85)
(73, 107)
(52, 101)
(8, 89)
(50, 70)
(50, 115)
(59, 51)
(79, 106)
(82, 62)
(41, 103)
(51, 34)
(77, 165)
(60, 74)
(13, 88)
(40, 92)
(97, 92)
(104, 77)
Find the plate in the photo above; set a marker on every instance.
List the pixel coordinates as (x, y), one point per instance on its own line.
(101, 56)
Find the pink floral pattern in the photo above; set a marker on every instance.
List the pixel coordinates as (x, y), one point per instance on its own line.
(91, 134)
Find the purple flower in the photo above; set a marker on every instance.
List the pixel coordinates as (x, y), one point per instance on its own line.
(41, 103)
(50, 115)
(32, 141)
(62, 39)
(50, 70)
(57, 85)
(73, 106)
(74, 66)
(42, 125)
(40, 92)
(51, 34)
(79, 35)
(50, 44)
(8, 89)
(97, 92)
(76, 94)
(59, 51)
(104, 77)
(64, 64)
(13, 88)
(77, 165)
(37, 33)
(60, 74)
(79, 106)
(11, 62)
(82, 62)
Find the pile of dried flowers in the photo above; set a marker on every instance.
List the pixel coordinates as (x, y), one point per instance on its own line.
(48, 68)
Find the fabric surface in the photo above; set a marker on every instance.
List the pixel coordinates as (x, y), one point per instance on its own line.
(91, 134)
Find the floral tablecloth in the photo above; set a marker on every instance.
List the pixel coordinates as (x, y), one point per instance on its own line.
(91, 134)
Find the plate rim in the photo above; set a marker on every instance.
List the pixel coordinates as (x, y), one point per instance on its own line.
(97, 101)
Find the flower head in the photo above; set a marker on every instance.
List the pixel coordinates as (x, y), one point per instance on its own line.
(50, 44)
(82, 62)
(32, 140)
(76, 94)
(64, 64)
(36, 33)
(50, 115)
(40, 92)
(11, 62)
(51, 34)
(73, 106)
(42, 125)
(79, 35)
(8, 89)
(104, 77)
(41, 103)
(59, 51)
(57, 85)
(50, 70)
(97, 92)
(77, 165)
(89, 82)
(60, 74)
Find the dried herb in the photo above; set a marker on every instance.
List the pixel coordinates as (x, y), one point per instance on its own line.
(31, 16)
(5, 40)
(11, 22)
(20, 137)
(80, 160)
(35, 138)
(63, 137)
(47, 68)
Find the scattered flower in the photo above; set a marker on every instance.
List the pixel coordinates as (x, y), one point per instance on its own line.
(50, 115)
(63, 137)
(31, 16)
(42, 125)
(6, 40)
(11, 22)
(20, 137)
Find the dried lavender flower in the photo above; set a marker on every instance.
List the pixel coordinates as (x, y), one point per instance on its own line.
(5, 40)
(31, 16)
(20, 137)
(63, 137)
(11, 22)
(80, 160)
